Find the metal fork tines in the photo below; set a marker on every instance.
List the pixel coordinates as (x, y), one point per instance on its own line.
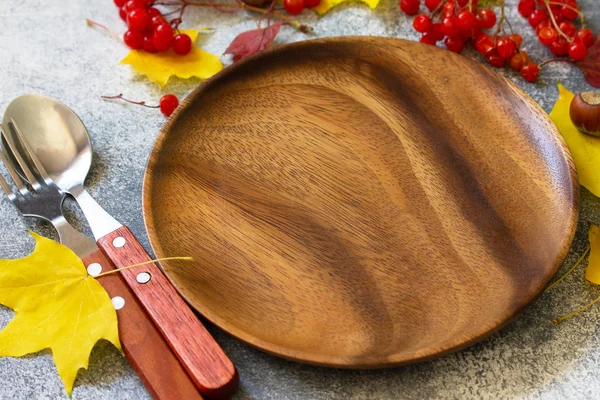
(39, 197)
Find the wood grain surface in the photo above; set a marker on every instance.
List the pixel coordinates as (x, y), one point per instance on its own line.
(360, 202)
(205, 362)
(149, 354)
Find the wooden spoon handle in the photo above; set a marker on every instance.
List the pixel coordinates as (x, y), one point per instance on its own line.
(207, 364)
(149, 354)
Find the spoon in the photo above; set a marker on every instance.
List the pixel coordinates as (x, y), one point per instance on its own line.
(62, 144)
(63, 147)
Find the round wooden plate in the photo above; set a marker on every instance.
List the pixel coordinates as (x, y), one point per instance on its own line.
(360, 202)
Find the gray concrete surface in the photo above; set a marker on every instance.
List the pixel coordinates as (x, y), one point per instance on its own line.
(46, 47)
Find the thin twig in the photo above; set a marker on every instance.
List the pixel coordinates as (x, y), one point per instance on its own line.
(94, 23)
(114, 271)
(569, 39)
(551, 60)
(120, 97)
(579, 260)
(558, 320)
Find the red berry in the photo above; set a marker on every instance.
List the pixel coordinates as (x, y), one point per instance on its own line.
(422, 23)
(133, 5)
(538, 15)
(182, 44)
(506, 48)
(568, 28)
(486, 18)
(465, 20)
(156, 21)
(462, 3)
(518, 39)
(311, 3)
(138, 20)
(293, 6)
(120, 3)
(455, 43)
(569, 10)
(484, 44)
(410, 7)
(448, 8)
(518, 60)
(557, 15)
(526, 7)
(436, 32)
(162, 37)
(530, 72)
(496, 61)
(153, 12)
(544, 24)
(586, 36)
(133, 39)
(449, 26)
(548, 36)
(123, 13)
(428, 38)
(168, 104)
(148, 46)
(577, 50)
(432, 4)
(560, 47)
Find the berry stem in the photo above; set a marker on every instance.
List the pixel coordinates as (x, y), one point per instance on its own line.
(560, 32)
(99, 25)
(233, 8)
(120, 97)
(551, 60)
(558, 320)
(503, 19)
(579, 260)
(581, 15)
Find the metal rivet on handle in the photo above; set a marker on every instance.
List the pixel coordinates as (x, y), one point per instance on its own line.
(94, 269)
(119, 241)
(118, 302)
(143, 277)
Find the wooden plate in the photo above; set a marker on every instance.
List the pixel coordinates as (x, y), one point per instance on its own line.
(360, 202)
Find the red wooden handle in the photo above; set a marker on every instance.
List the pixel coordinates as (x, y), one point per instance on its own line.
(145, 348)
(207, 364)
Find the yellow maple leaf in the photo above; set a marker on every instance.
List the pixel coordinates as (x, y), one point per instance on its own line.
(57, 306)
(326, 5)
(592, 273)
(159, 67)
(585, 149)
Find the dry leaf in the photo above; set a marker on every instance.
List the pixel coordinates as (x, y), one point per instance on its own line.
(584, 148)
(159, 67)
(251, 42)
(326, 5)
(57, 306)
(592, 273)
(590, 65)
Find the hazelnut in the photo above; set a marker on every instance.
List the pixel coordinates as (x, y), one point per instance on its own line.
(585, 112)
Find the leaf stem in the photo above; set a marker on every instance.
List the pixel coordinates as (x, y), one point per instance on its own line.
(579, 260)
(114, 271)
(120, 97)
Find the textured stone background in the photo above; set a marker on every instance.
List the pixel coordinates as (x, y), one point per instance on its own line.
(47, 48)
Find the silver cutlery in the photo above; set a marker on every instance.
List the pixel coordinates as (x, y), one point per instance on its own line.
(60, 142)
(40, 198)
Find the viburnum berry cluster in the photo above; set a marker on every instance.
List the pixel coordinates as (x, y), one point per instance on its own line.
(460, 22)
(554, 27)
(149, 30)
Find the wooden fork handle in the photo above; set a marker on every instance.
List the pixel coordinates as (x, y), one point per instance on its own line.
(149, 354)
(204, 360)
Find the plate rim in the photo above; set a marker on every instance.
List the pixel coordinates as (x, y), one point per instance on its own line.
(336, 361)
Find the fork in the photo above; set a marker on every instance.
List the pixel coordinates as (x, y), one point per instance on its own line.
(145, 348)
(44, 200)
